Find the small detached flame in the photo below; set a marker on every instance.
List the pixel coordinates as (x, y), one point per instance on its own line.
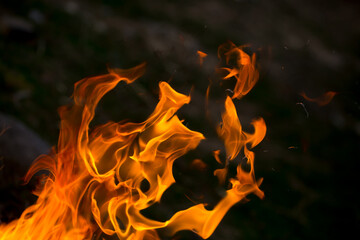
(201, 56)
(244, 70)
(322, 100)
(93, 187)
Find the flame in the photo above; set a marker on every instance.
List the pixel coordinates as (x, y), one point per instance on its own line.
(322, 100)
(216, 154)
(201, 55)
(243, 71)
(220, 173)
(235, 139)
(95, 175)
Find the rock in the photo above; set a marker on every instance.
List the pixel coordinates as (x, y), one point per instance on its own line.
(18, 143)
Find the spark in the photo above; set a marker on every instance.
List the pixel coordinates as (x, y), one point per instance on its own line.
(303, 106)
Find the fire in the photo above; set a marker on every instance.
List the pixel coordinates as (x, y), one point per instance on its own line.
(94, 184)
(201, 56)
(244, 70)
(322, 100)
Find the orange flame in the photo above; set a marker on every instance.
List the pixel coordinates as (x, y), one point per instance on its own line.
(244, 71)
(94, 186)
(235, 139)
(216, 154)
(201, 55)
(322, 100)
(220, 173)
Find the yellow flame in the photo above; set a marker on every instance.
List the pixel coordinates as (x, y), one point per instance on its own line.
(94, 185)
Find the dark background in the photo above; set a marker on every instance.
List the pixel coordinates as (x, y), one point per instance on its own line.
(309, 158)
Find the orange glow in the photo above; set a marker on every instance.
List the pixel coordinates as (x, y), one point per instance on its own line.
(244, 70)
(322, 100)
(201, 55)
(198, 164)
(94, 184)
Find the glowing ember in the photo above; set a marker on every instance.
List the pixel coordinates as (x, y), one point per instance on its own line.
(94, 183)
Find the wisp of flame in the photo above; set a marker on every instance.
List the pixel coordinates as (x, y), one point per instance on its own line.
(94, 183)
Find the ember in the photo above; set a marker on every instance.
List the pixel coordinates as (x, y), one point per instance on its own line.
(94, 182)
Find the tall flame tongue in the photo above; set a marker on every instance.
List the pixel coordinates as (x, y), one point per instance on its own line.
(94, 186)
